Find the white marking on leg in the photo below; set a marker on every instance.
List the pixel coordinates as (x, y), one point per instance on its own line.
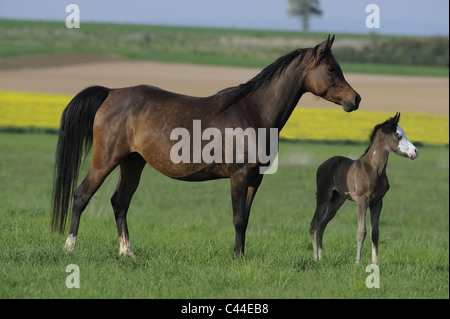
(313, 237)
(374, 254)
(125, 247)
(71, 242)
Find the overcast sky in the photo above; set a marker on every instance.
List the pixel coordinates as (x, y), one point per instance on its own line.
(405, 17)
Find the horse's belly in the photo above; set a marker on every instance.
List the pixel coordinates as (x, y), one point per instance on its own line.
(189, 171)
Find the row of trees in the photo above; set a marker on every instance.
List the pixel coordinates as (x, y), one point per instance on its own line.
(432, 51)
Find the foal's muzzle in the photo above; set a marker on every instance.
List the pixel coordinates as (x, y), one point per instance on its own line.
(413, 154)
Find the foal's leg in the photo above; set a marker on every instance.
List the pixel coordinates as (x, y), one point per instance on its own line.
(130, 173)
(321, 207)
(93, 180)
(334, 205)
(375, 211)
(361, 233)
(324, 193)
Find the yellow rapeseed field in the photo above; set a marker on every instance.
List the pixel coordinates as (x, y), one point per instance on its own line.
(37, 110)
(335, 124)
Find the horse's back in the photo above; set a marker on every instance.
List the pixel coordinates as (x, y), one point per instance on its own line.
(332, 174)
(334, 164)
(149, 121)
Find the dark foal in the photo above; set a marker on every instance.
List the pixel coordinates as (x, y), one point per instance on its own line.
(363, 180)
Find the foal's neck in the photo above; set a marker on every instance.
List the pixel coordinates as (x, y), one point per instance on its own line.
(376, 157)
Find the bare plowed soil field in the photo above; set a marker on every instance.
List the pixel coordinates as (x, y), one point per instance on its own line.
(70, 74)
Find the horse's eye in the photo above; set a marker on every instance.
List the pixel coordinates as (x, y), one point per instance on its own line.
(331, 68)
(399, 136)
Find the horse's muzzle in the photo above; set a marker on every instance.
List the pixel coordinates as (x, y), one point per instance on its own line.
(413, 155)
(350, 106)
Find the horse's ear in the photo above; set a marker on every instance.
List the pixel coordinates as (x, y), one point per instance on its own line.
(330, 41)
(323, 48)
(394, 121)
(397, 118)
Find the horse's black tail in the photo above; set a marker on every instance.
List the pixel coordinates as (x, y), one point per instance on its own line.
(75, 137)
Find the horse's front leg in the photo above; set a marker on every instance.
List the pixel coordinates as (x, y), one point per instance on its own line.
(361, 233)
(239, 186)
(243, 190)
(375, 211)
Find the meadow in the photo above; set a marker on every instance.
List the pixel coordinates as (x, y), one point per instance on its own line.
(182, 233)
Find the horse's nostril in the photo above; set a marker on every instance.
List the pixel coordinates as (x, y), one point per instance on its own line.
(357, 99)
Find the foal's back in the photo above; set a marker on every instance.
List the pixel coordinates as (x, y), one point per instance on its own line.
(332, 176)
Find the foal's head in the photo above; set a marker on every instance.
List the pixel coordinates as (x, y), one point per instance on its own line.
(394, 139)
(326, 80)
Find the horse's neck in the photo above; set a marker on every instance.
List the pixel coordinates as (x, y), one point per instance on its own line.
(377, 158)
(275, 101)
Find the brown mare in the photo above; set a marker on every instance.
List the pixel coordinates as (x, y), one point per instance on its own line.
(363, 181)
(131, 126)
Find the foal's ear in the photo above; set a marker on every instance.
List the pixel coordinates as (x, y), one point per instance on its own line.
(394, 121)
(397, 118)
(323, 48)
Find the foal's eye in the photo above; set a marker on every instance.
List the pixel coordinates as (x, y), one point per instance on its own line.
(399, 136)
(331, 68)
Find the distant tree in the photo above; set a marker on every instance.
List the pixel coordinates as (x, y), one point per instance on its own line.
(304, 9)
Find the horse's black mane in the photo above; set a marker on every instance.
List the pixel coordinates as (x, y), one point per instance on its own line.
(277, 68)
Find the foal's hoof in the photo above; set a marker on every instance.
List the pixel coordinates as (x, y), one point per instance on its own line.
(127, 253)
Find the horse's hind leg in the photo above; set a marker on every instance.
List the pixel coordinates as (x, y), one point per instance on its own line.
(375, 211)
(324, 193)
(130, 174)
(328, 203)
(335, 203)
(82, 195)
(321, 207)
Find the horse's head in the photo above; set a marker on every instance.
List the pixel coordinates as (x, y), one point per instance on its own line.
(396, 140)
(324, 78)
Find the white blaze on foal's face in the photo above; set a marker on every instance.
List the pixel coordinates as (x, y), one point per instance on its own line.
(405, 146)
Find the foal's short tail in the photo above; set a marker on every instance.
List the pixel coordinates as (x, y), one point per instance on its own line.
(75, 137)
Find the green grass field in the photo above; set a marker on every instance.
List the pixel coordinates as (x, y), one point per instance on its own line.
(182, 233)
(183, 237)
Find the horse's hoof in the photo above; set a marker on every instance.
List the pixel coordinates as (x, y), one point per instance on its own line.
(70, 243)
